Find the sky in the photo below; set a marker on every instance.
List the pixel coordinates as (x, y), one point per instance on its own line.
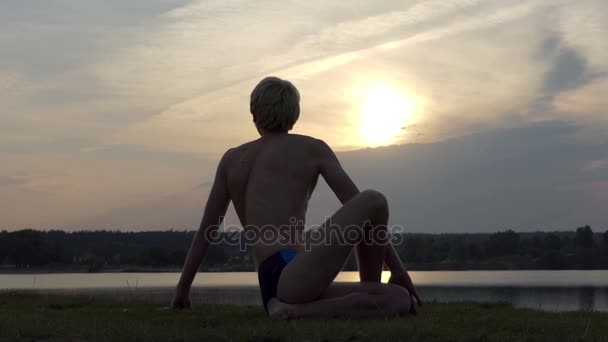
(470, 115)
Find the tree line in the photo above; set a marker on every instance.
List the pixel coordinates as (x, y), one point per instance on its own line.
(94, 251)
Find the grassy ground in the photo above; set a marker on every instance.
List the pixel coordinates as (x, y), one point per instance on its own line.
(35, 317)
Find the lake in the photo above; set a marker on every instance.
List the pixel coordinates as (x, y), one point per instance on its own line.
(546, 290)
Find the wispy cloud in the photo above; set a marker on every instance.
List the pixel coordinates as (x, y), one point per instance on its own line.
(311, 59)
(137, 99)
(600, 164)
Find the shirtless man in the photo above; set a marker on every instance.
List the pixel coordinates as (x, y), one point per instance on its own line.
(270, 181)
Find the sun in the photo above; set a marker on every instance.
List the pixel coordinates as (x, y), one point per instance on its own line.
(384, 111)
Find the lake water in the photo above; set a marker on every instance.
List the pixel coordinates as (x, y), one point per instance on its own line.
(547, 290)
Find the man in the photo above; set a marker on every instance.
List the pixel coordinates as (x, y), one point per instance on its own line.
(270, 181)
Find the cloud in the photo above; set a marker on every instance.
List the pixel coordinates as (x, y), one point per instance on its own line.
(205, 185)
(10, 83)
(451, 23)
(313, 60)
(532, 177)
(138, 99)
(56, 185)
(587, 102)
(13, 180)
(599, 164)
(580, 24)
(204, 29)
(525, 178)
(569, 71)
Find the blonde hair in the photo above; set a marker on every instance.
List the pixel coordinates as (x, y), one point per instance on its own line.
(275, 105)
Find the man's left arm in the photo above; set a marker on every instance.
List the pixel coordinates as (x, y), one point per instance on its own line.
(214, 212)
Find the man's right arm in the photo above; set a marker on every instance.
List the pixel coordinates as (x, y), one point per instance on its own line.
(345, 189)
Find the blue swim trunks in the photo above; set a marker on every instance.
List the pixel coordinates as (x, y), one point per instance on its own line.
(270, 271)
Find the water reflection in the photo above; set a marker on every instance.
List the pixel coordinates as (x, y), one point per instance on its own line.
(545, 290)
(540, 298)
(587, 298)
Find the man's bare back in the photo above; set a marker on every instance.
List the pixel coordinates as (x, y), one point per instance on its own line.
(270, 181)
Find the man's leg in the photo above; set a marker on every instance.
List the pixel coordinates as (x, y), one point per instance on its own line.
(310, 273)
(348, 300)
(372, 250)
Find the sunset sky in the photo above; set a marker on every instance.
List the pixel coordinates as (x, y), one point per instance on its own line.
(113, 114)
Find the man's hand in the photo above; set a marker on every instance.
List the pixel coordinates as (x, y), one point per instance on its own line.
(181, 300)
(403, 279)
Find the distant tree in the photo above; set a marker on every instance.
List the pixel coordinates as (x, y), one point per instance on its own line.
(154, 256)
(584, 246)
(59, 254)
(412, 249)
(537, 246)
(476, 252)
(552, 242)
(178, 257)
(93, 263)
(217, 255)
(584, 237)
(503, 243)
(26, 248)
(458, 250)
(440, 249)
(551, 260)
(94, 250)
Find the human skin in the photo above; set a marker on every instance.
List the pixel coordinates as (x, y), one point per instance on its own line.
(270, 181)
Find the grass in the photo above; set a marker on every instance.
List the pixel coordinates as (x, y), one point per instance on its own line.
(45, 317)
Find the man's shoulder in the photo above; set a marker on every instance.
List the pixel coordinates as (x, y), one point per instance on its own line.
(303, 137)
(304, 142)
(241, 148)
(234, 152)
(242, 152)
(311, 141)
(299, 138)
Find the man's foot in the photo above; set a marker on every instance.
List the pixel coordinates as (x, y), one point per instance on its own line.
(281, 311)
(405, 281)
(398, 279)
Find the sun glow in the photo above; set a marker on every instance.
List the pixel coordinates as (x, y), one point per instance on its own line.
(384, 111)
